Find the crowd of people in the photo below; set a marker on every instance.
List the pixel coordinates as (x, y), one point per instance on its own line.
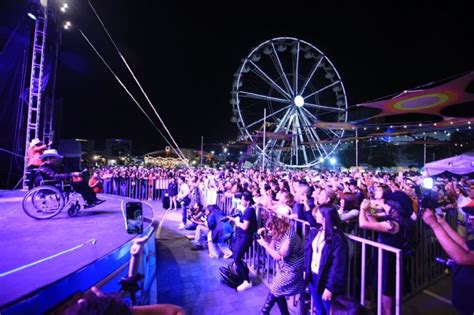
(330, 202)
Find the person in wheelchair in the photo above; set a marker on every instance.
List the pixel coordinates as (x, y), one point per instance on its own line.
(50, 170)
(35, 149)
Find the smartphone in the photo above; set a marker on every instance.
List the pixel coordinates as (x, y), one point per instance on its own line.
(134, 217)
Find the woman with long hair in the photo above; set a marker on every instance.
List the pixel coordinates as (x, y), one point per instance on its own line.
(393, 227)
(326, 255)
(285, 246)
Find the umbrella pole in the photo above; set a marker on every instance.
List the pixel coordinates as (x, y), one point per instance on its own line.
(424, 151)
(202, 145)
(264, 131)
(357, 148)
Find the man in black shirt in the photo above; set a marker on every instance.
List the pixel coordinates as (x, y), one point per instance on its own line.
(246, 226)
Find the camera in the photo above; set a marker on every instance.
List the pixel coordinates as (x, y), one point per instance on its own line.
(448, 262)
(225, 219)
(429, 200)
(257, 236)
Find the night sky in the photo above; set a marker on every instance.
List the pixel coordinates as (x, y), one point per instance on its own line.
(186, 52)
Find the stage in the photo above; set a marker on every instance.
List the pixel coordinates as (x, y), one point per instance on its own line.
(59, 256)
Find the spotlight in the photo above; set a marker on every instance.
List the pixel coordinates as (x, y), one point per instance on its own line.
(66, 6)
(332, 161)
(67, 25)
(63, 9)
(31, 16)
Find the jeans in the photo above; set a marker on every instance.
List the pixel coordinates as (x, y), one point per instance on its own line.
(322, 307)
(184, 205)
(200, 234)
(242, 244)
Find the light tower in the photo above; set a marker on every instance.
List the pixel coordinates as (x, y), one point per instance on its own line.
(39, 121)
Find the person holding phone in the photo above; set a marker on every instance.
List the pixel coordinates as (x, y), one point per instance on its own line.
(285, 246)
(246, 226)
(392, 230)
(462, 253)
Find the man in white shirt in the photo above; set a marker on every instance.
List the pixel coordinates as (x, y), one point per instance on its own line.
(184, 200)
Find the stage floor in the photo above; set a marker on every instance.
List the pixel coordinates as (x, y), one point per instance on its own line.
(36, 253)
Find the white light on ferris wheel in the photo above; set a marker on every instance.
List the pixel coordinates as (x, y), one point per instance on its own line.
(299, 101)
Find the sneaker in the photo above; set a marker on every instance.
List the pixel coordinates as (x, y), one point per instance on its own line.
(89, 205)
(197, 247)
(98, 202)
(181, 226)
(244, 286)
(228, 255)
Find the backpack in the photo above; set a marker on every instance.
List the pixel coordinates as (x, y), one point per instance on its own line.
(230, 277)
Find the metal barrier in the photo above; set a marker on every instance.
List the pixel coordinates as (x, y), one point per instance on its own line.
(413, 271)
(264, 266)
(155, 189)
(142, 189)
(224, 203)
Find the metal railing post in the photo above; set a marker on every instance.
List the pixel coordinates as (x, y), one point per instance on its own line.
(398, 271)
(362, 276)
(379, 281)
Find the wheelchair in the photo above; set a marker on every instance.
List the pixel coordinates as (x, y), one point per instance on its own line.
(49, 198)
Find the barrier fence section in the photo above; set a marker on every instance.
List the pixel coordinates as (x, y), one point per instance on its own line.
(413, 273)
(137, 188)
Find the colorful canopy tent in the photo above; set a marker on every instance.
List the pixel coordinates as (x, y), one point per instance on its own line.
(461, 165)
(435, 101)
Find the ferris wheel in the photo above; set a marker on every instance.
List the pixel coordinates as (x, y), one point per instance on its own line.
(298, 86)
